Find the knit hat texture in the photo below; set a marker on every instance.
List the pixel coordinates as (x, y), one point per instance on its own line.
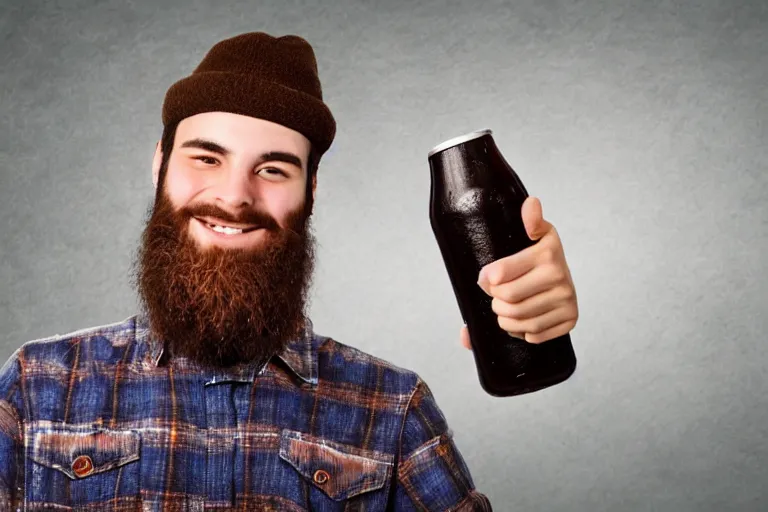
(257, 75)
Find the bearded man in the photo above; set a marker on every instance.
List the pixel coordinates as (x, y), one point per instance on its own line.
(219, 395)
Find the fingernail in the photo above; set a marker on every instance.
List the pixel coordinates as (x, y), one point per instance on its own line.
(482, 280)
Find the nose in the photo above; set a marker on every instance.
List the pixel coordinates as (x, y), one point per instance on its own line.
(236, 190)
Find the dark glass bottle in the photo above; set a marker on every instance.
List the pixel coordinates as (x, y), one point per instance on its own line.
(475, 211)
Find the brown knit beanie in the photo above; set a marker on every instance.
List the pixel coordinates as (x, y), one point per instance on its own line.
(257, 75)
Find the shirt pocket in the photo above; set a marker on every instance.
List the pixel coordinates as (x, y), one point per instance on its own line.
(339, 471)
(74, 465)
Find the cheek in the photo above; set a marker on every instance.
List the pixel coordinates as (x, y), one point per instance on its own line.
(281, 204)
(181, 188)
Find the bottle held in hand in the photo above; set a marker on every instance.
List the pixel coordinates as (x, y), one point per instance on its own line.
(475, 211)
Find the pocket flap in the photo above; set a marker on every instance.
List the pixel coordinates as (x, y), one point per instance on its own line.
(340, 471)
(80, 452)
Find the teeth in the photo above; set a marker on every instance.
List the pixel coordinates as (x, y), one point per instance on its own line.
(225, 229)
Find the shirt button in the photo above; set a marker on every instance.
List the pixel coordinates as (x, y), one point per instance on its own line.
(321, 477)
(82, 466)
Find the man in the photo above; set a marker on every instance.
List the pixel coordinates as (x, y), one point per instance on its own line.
(219, 395)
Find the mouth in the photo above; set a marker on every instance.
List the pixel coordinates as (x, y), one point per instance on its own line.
(225, 228)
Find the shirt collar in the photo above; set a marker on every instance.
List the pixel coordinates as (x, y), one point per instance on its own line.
(300, 355)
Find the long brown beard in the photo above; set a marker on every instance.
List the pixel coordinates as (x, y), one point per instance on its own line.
(219, 306)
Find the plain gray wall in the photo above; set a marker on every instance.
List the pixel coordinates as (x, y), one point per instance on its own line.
(641, 126)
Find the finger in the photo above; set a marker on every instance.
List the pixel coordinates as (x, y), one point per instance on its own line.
(551, 333)
(482, 282)
(536, 281)
(533, 306)
(538, 324)
(509, 268)
(549, 249)
(464, 337)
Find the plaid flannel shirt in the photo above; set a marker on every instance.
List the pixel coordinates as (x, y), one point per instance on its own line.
(97, 420)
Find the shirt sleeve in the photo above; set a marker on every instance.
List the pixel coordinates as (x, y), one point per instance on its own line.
(431, 473)
(11, 434)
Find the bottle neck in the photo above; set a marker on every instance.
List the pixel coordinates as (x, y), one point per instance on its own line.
(466, 166)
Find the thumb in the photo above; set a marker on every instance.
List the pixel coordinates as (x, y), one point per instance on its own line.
(533, 218)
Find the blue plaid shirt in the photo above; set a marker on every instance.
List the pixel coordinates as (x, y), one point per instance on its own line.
(98, 420)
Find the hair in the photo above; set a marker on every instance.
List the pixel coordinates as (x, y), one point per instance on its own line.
(166, 147)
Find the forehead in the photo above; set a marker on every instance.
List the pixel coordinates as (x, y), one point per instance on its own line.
(242, 134)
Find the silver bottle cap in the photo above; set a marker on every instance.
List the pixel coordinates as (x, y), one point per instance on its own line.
(458, 140)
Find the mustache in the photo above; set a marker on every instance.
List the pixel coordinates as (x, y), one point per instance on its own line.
(250, 216)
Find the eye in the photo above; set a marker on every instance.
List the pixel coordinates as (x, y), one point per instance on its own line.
(272, 172)
(207, 160)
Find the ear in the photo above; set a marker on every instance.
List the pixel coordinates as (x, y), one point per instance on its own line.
(156, 161)
(314, 186)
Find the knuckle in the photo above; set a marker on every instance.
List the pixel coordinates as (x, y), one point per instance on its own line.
(562, 296)
(558, 273)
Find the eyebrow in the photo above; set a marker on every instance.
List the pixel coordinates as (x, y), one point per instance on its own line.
(282, 156)
(207, 145)
(271, 156)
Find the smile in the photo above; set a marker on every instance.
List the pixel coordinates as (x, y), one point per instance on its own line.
(224, 229)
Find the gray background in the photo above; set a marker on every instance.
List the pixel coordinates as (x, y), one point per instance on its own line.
(641, 126)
